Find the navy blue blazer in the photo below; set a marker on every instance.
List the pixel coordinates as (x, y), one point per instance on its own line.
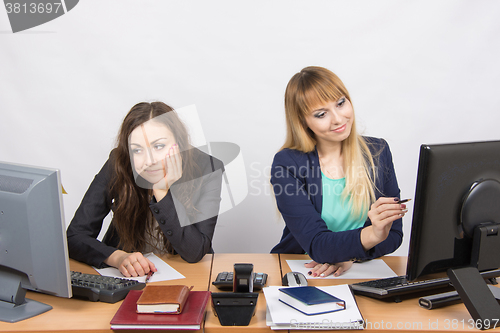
(296, 180)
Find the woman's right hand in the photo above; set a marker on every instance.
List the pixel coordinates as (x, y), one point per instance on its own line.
(130, 264)
(172, 171)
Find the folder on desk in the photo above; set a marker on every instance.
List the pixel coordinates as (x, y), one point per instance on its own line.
(280, 316)
(189, 319)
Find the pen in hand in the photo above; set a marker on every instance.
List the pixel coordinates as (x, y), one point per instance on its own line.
(150, 274)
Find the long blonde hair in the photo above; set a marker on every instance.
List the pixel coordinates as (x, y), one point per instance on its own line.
(314, 86)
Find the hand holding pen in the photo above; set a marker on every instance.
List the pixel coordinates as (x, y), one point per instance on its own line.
(382, 214)
(150, 274)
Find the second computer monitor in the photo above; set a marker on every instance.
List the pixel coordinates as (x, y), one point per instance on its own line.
(449, 176)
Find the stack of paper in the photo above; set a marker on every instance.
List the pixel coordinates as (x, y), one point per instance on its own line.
(281, 316)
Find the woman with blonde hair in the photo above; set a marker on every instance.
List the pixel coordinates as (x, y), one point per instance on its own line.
(164, 195)
(336, 190)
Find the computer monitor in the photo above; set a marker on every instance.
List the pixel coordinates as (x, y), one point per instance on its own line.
(456, 215)
(33, 246)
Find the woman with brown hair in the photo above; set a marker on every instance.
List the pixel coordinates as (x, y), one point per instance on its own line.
(336, 190)
(164, 195)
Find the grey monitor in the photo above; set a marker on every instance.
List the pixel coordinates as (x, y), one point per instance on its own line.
(33, 245)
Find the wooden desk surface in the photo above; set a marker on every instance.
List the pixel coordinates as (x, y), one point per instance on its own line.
(263, 263)
(76, 315)
(389, 316)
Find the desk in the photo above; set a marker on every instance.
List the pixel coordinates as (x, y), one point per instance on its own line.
(388, 316)
(76, 315)
(262, 263)
(73, 315)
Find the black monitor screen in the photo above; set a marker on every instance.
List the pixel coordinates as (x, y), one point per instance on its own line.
(446, 174)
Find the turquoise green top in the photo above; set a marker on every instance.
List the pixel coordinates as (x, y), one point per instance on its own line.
(336, 213)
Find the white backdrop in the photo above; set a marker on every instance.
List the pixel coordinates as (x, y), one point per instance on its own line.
(417, 71)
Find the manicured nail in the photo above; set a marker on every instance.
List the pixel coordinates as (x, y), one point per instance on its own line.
(322, 274)
(309, 273)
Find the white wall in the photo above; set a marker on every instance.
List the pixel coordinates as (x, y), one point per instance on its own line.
(418, 72)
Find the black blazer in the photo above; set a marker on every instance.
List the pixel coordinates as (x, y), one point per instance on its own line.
(190, 237)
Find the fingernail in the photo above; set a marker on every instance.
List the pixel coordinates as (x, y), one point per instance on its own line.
(322, 274)
(309, 273)
(396, 199)
(315, 274)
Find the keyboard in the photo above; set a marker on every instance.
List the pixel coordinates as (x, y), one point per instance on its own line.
(399, 285)
(102, 288)
(224, 281)
(396, 286)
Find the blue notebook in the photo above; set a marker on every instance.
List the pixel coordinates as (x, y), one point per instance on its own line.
(310, 300)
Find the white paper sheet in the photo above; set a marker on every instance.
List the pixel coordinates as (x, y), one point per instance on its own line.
(373, 269)
(165, 271)
(281, 316)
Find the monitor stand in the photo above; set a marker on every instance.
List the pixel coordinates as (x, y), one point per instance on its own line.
(471, 286)
(477, 297)
(14, 306)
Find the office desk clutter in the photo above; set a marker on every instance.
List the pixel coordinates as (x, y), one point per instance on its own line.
(237, 308)
(224, 281)
(190, 318)
(164, 272)
(102, 288)
(294, 279)
(371, 269)
(310, 300)
(281, 316)
(163, 299)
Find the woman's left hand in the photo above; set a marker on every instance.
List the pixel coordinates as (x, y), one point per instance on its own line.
(172, 171)
(326, 269)
(381, 214)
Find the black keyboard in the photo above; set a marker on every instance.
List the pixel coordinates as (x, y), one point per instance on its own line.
(224, 281)
(102, 288)
(399, 285)
(395, 286)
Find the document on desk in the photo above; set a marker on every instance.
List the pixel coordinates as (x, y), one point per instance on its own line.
(165, 271)
(280, 316)
(373, 269)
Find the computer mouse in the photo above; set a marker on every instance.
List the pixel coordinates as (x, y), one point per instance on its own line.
(294, 279)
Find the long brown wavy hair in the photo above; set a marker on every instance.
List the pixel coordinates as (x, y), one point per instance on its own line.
(132, 217)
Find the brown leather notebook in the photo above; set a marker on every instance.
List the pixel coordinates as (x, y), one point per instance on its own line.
(163, 299)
